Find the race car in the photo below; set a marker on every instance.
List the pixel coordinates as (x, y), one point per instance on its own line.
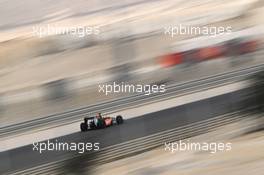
(99, 122)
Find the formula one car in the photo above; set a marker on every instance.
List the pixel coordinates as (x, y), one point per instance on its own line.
(99, 122)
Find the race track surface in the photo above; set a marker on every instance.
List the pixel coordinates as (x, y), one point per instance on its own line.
(24, 157)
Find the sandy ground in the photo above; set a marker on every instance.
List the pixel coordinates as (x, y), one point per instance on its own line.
(245, 157)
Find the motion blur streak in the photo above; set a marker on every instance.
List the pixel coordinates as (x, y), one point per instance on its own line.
(99, 42)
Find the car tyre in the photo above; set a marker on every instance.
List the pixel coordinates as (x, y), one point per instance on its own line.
(119, 119)
(84, 127)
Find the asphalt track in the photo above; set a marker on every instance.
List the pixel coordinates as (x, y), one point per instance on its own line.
(24, 157)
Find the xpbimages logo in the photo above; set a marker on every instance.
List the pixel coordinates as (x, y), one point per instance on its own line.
(147, 89)
(213, 147)
(197, 30)
(64, 146)
(79, 31)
